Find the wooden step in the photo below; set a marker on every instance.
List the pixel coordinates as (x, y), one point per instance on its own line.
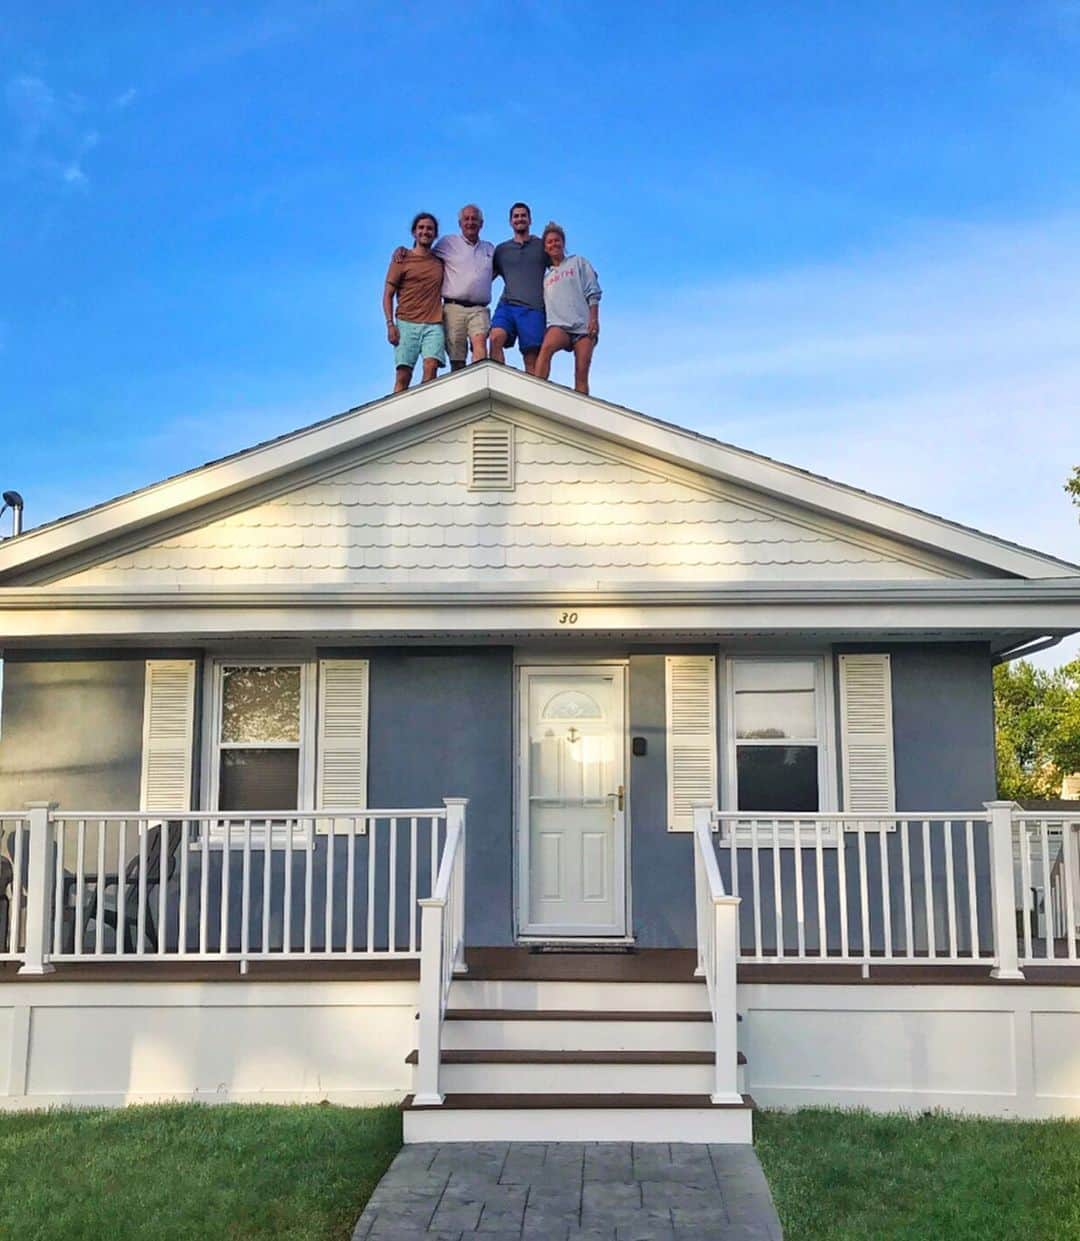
(538, 1055)
(574, 1014)
(579, 1118)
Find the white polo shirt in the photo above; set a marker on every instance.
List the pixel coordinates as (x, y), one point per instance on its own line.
(466, 269)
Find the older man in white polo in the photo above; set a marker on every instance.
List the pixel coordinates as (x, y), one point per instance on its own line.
(466, 287)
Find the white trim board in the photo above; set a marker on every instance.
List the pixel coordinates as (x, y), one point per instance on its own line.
(305, 448)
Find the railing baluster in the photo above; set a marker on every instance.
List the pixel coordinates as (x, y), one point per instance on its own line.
(391, 917)
(948, 839)
(163, 885)
(909, 894)
(864, 897)
(800, 908)
(182, 862)
(60, 837)
(99, 894)
(1050, 947)
(972, 890)
(884, 831)
(822, 920)
(80, 866)
(350, 881)
(226, 855)
(267, 885)
(413, 834)
(140, 946)
(245, 892)
(928, 891)
(309, 851)
(204, 885)
(328, 901)
(1068, 849)
(15, 930)
(841, 880)
(371, 857)
(286, 915)
(120, 934)
(778, 892)
(755, 867)
(1025, 879)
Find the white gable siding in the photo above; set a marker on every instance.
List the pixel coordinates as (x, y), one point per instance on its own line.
(410, 516)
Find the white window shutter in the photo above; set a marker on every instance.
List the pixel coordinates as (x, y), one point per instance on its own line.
(691, 737)
(341, 781)
(866, 734)
(168, 734)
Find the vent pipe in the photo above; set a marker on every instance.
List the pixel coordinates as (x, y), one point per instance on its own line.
(14, 501)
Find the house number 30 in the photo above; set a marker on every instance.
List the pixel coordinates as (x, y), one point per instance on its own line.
(568, 618)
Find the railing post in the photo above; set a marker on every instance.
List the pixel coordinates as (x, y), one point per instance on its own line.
(432, 911)
(1002, 889)
(725, 1002)
(38, 889)
(455, 815)
(702, 828)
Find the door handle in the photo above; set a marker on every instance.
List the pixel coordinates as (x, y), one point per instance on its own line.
(620, 796)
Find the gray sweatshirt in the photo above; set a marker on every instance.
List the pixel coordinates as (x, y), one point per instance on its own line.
(569, 290)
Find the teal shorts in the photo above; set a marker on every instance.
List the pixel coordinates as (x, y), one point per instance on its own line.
(419, 340)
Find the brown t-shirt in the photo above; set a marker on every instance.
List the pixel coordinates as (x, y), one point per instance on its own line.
(418, 280)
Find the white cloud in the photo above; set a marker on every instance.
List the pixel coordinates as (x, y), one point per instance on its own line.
(944, 373)
(50, 141)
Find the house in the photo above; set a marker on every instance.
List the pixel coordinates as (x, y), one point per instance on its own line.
(577, 734)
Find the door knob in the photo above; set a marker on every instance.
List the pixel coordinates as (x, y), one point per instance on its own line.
(619, 796)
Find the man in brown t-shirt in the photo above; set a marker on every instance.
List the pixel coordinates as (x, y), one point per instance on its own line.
(416, 277)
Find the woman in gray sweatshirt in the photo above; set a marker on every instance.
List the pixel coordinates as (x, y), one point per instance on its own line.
(572, 307)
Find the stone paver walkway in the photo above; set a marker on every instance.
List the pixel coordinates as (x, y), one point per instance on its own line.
(571, 1191)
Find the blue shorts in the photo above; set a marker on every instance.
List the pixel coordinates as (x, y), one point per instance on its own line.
(416, 340)
(521, 324)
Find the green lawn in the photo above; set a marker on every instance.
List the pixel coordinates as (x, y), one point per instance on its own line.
(304, 1173)
(183, 1171)
(846, 1175)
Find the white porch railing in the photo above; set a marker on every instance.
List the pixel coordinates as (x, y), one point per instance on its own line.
(102, 886)
(860, 888)
(717, 937)
(14, 829)
(442, 953)
(1046, 869)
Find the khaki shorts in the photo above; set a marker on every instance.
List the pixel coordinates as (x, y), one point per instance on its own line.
(461, 323)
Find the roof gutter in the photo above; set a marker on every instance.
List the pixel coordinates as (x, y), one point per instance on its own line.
(1024, 649)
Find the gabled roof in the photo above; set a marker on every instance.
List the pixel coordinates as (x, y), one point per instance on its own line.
(229, 476)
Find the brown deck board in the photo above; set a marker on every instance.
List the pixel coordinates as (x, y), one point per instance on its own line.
(157, 970)
(570, 1014)
(641, 965)
(502, 1055)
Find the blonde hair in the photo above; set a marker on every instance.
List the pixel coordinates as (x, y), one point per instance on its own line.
(552, 227)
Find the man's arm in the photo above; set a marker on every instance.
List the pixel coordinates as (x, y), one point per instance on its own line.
(393, 279)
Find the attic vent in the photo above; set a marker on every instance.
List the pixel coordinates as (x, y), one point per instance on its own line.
(491, 457)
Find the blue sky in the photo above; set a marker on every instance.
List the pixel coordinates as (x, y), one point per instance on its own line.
(843, 234)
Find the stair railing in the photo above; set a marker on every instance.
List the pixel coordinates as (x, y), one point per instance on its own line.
(442, 951)
(717, 948)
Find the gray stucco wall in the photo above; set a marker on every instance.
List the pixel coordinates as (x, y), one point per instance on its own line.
(71, 731)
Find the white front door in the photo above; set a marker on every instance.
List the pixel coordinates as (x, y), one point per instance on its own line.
(572, 801)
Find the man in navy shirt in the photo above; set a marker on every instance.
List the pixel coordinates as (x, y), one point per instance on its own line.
(519, 316)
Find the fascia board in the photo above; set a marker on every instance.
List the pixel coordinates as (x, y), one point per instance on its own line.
(772, 477)
(219, 480)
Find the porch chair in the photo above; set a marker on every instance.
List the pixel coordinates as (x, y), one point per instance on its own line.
(7, 897)
(111, 884)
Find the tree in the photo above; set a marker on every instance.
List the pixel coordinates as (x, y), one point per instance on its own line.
(1072, 485)
(1037, 728)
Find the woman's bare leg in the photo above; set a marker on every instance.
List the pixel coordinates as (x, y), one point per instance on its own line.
(554, 340)
(583, 351)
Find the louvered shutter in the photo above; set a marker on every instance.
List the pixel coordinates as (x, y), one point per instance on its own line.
(491, 457)
(341, 782)
(866, 734)
(691, 737)
(168, 734)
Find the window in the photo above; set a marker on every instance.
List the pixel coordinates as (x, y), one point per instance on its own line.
(777, 749)
(262, 736)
